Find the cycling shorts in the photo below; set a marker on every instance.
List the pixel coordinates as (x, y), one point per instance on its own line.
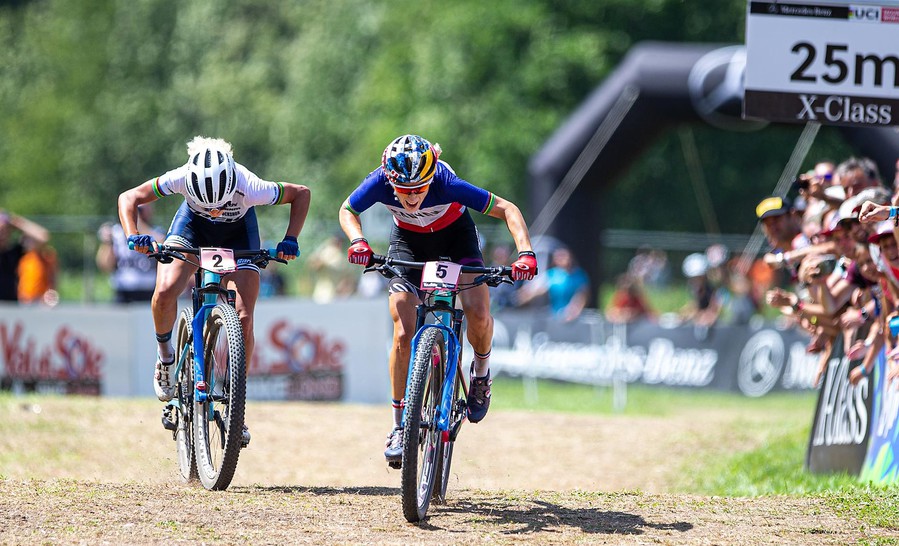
(190, 229)
(458, 242)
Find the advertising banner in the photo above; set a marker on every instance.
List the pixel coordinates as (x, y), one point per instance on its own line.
(753, 361)
(839, 437)
(881, 465)
(304, 351)
(823, 61)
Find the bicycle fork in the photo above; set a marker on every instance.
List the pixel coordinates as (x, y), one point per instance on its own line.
(449, 418)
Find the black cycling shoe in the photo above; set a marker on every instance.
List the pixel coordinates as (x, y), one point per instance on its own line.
(168, 422)
(245, 436)
(478, 396)
(394, 451)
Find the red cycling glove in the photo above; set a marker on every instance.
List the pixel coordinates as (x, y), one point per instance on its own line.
(525, 267)
(359, 252)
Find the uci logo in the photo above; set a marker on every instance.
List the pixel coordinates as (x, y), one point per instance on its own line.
(867, 14)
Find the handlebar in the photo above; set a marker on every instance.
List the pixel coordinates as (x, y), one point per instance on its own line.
(492, 276)
(260, 257)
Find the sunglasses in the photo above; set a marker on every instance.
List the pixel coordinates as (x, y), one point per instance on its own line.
(410, 191)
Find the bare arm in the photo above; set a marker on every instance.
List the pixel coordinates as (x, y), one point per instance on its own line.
(349, 222)
(299, 197)
(518, 228)
(129, 200)
(32, 230)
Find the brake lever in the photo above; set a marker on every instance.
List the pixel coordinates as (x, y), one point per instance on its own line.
(161, 257)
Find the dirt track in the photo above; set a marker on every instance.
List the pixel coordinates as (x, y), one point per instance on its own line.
(104, 472)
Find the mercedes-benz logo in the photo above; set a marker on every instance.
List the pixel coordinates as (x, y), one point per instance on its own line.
(761, 363)
(716, 86)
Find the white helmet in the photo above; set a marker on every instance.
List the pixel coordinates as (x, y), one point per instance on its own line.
(211, 176)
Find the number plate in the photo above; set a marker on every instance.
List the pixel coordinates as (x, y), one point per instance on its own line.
(440, 276)
(218, 260)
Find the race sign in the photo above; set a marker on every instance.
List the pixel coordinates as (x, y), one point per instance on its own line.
(218, 260)
(440, 276)
(829, 62)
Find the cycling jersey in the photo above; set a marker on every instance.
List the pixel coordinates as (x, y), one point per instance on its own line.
(250, 191)
(446, 201)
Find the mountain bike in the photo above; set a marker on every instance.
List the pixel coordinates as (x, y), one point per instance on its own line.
(436, 390)
(206, 415)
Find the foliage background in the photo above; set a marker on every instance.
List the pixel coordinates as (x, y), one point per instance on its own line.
(100, 96)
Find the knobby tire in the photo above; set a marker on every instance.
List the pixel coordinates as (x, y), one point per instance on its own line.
(219, 421)
(421, 440)
(184, 390)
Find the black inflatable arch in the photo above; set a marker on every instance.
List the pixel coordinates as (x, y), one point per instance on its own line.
(657, 86)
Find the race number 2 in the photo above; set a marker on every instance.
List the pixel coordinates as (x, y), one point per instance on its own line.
(217, 260)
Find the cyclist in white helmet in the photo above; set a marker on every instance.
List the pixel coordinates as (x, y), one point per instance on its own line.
(430, 208)
(219, 196)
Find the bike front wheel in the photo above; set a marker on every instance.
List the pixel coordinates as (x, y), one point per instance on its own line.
(422, 442)
(184, 390)
(218, 421)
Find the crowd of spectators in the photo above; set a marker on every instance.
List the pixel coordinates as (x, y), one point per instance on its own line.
(834, 245)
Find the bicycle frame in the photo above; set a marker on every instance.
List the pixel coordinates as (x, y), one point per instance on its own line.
(449, 322)
(209, 290)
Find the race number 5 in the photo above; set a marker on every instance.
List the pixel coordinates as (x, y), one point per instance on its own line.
(440, 276)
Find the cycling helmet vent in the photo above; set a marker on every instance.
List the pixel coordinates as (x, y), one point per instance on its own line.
(410, 160)
(212, 173)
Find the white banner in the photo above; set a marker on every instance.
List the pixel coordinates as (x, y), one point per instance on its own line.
(827, 62)
(303, 350)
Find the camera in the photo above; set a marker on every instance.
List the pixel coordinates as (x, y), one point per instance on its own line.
(801, 182)
(827, 264)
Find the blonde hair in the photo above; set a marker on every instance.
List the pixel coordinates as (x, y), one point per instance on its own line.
(199, 143)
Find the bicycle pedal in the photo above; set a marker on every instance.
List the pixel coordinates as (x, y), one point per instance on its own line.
(167, 422)
(395, 464)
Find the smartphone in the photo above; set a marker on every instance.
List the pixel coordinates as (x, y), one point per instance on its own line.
(828, 264)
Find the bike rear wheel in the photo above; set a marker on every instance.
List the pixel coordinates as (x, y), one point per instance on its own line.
(218, 422)
(421, 440)
(184, 390)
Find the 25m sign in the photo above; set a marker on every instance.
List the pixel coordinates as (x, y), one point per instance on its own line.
(828, 63)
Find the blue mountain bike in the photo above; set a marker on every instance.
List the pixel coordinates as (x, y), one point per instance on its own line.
(206, 416)
(436, 390)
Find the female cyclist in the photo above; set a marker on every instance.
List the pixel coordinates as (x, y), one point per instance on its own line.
(219, 196)
(431, 220)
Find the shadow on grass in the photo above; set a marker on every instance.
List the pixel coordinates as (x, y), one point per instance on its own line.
(322, 491)
(537, 516)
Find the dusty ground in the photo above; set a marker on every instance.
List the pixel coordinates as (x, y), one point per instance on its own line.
(103, 471)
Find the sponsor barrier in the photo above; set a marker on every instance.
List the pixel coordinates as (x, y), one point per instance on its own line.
(304, 351)
(753, 361)
(840, 429)
(881, 464)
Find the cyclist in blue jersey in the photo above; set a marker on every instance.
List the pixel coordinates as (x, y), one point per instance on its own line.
(431, 220)
(219, 196)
